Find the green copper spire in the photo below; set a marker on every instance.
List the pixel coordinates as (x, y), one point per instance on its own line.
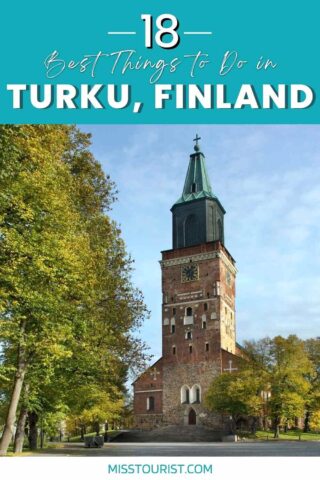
(197, 183)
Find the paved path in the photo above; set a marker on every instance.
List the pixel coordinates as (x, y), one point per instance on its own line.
(250, 449)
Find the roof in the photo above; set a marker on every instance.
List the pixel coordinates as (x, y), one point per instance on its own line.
(197, 184)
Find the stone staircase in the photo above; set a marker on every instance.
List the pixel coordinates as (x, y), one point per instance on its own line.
(170, 434)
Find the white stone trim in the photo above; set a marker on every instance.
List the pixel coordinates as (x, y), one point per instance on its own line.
(148, 391)
(193, 302)
(198, 292)
(198, 258)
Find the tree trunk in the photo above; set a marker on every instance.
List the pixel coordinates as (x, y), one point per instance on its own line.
(232, 425)
(97, 428)
(276, 428)
(42, 433)
(33, 430)
(21, 425)
(254, 425)
(106, 428)
(15, 396)
(19, 436)
(306, 427)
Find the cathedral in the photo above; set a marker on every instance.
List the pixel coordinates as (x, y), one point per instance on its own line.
(198, 311)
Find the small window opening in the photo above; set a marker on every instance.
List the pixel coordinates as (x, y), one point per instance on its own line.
(150, 404)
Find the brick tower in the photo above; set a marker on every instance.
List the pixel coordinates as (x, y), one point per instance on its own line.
(198, 311)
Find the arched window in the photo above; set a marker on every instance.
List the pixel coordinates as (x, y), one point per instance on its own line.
(150, 404)
(189, 312)
(195, 394)
(185, 394)
(188, 335)
(193, 187)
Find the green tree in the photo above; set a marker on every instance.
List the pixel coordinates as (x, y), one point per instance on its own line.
(312, 347)
(272, 380)
(68, 310)
(286, 365)
(237, 394)
(44, 254)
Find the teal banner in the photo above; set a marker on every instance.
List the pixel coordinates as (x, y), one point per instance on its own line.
(159, 62)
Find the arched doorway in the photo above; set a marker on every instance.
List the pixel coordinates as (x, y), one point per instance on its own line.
(192, 417)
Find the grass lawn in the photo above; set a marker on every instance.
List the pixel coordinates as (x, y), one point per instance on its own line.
(290, 435)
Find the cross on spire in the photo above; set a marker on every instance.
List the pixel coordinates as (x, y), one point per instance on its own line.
(196, 139)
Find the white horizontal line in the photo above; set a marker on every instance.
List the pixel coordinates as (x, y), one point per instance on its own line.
(197, 33)
(147, 391)
(122, 33)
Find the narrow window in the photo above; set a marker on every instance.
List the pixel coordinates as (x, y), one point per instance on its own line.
(208, 294)
(204, 324)
(187, 395)
(193, 187)
(150, 404)
(173, 325)
(189, 312)
(174, 350)
(207, 347)
(174, 311)
(205, 307)
(198, 395)
(189, 335)
(190, 348)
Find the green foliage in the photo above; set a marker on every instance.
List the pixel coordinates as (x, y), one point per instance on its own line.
(237, 394)
(315, 420)
(274, 380)
(66, 298)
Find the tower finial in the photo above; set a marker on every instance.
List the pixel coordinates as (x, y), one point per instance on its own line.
(197, 146)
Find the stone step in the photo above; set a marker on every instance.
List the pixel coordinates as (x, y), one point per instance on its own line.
(172, 433)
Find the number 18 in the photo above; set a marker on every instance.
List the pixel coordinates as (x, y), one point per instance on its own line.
(162, 30)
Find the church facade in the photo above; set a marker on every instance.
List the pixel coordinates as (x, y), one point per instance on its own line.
(198, 311)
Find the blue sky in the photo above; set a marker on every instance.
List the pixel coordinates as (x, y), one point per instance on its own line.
(266, 177)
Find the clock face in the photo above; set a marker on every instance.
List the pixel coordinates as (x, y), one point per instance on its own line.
(189, 273)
